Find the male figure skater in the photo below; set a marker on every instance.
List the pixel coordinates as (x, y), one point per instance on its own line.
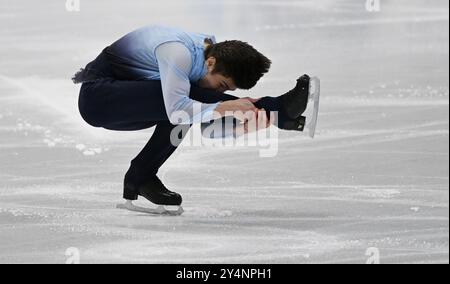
(148, 76)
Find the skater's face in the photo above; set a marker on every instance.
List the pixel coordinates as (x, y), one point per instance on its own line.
(216, 81)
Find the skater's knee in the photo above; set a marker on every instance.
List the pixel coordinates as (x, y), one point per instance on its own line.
(88, 109)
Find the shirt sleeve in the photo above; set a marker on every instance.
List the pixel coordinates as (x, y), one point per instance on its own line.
(175, 63)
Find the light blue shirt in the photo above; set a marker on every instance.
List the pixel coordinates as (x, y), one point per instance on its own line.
(176, 58)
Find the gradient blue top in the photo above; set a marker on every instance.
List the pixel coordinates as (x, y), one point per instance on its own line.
(175, 57)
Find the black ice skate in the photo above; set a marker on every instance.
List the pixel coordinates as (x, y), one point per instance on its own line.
(296, 124)
(295, 103)
(154, 191)
(296, 100)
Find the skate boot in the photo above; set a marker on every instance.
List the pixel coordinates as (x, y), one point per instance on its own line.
(295, 101)
(154, 191)
(301, 104)
(295, 124)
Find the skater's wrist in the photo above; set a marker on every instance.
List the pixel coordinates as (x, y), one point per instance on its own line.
(224, 109)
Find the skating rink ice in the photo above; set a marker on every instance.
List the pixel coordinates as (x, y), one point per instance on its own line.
(376, 175)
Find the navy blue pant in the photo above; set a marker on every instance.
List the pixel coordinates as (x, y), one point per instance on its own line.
(127, 105)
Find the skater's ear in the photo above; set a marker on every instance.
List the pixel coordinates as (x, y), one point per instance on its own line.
(210, 64)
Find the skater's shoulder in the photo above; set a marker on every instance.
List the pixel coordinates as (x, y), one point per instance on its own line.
(175, 52)
(168, 29)
(162, 28)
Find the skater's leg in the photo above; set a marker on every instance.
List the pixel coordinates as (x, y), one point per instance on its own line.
(270, 104)
(141, 178)
(132, 105)
(122, 105)
(158, 149)
(135, 105)
(211, 96)
(273, 104)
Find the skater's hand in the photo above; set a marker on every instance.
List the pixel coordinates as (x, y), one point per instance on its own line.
(259, 121)
(241, 109)
(252, 100)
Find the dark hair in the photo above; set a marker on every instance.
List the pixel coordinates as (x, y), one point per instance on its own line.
(240, 61)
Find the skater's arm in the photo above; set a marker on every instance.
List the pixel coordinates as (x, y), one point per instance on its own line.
(175, 63)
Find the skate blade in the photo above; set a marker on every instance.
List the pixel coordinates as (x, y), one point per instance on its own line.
(311, 125)
(160, 210)
(314, 88)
